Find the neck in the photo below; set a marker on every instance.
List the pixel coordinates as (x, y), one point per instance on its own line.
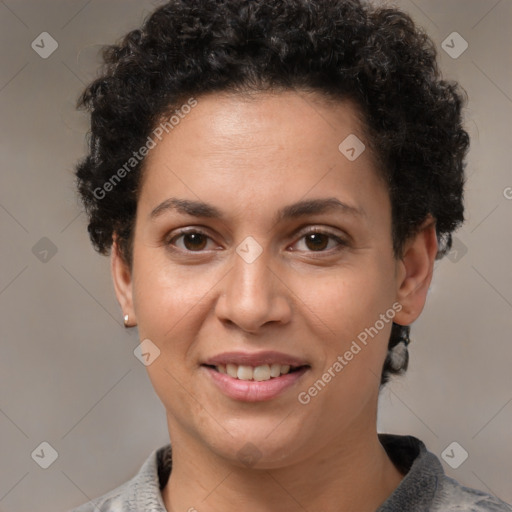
(354, 473)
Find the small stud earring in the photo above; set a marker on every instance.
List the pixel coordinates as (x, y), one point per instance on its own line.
(126, 319)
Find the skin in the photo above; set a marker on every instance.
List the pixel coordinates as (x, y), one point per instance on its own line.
(249, 157)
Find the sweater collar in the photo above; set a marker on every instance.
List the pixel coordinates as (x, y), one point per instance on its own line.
(423, 471)
(409, 454)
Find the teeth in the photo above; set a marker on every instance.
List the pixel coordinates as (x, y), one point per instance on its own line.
(258, 373)
(244, 372)
(231, 370)
(261, 373)
(275, 370)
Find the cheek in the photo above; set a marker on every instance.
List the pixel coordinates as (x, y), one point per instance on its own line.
(169, 304)
(166, 296)
(352, 338)
(345, 309)
(172, 303)
(349, 300)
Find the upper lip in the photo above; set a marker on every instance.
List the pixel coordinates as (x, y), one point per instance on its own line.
(255, 359)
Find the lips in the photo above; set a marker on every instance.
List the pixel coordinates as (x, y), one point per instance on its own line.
(252, 390)
(255, 377)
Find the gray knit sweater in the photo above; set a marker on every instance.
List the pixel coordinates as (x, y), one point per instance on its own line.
(424, 488)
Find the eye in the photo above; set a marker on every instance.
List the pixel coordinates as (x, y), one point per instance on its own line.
(193, 240)
(316, 240)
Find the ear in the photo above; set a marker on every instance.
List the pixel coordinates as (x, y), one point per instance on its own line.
(414, 272)
(122, 278)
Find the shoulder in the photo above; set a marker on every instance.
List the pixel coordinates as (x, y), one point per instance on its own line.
(142, 492)
(426, 487)
(453, 496)
(113, 500)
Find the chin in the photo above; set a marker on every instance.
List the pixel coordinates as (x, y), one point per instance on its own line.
(257, 444)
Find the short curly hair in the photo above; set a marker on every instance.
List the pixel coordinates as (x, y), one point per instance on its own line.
(351, 50)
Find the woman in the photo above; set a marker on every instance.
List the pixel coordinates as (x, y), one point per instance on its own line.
(274, 180)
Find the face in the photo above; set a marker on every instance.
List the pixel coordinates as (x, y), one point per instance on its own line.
(288, 261)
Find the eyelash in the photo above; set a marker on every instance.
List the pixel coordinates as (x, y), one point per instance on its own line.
(311, 231)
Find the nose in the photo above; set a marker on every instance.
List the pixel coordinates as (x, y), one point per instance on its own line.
(253, 294)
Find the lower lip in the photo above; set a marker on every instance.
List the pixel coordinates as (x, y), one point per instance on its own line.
(251, 390)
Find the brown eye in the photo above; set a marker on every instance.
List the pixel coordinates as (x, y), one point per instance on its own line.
(316, 241)
(192, 241)
(319, 241)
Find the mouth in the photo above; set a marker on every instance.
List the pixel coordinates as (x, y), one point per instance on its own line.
(256, 376)
(254, 383)
(258, 373)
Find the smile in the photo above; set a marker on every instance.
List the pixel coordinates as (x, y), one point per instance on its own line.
(240, 382)
(258, 373)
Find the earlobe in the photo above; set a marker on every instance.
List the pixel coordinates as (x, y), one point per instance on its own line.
(122, 280)
(417, 265)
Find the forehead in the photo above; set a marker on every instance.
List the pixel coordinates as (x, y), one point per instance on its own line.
(234, 121)
(259, 146)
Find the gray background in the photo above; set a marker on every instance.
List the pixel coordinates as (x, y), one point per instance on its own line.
(68, 375)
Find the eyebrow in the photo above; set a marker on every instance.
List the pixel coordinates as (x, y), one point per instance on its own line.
(299, 209)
